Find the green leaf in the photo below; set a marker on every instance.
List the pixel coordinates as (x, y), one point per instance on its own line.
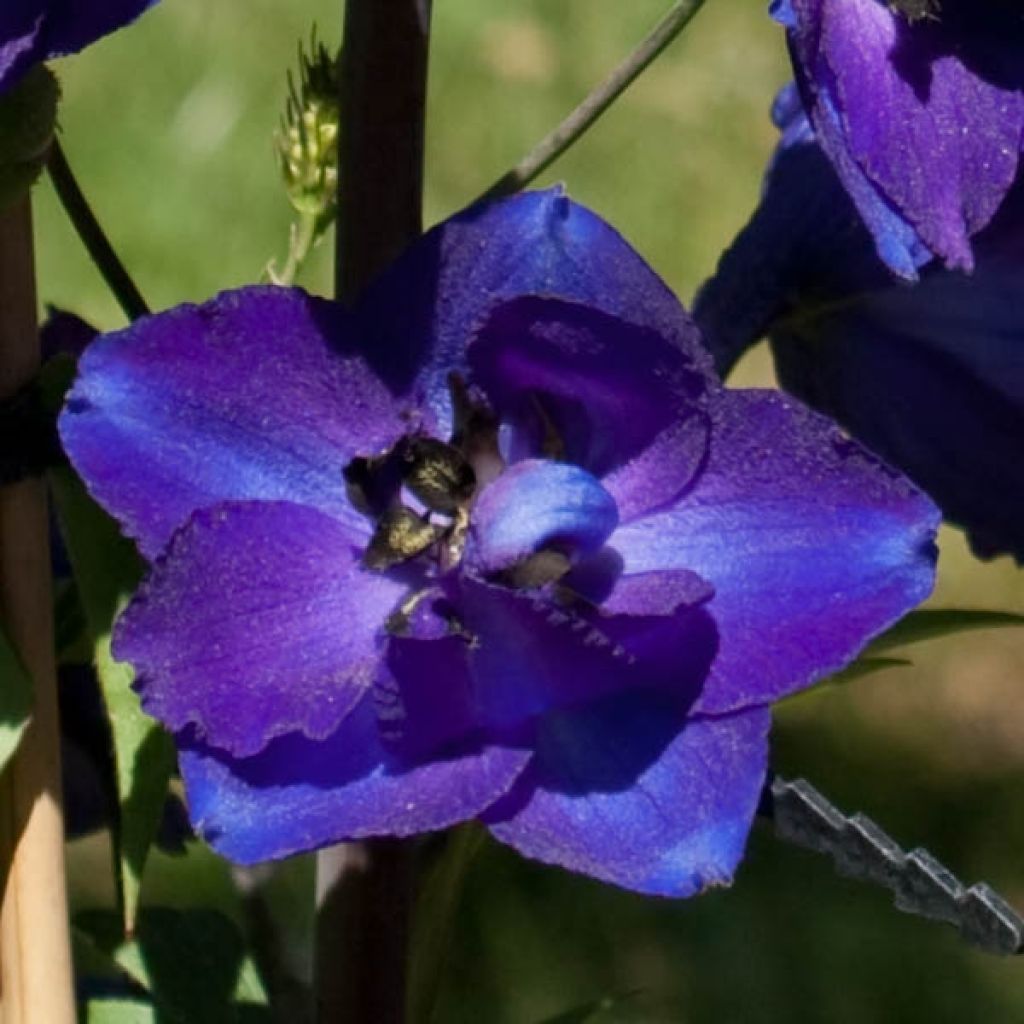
(192, 962)
(107, 570)
(434, 920)
(589, 1011)
(15, 700)
(866, 666)
(74, 647)
(119, 1011)
(929, 623)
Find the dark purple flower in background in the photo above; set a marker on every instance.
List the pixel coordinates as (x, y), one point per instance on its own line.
(930, 375)
(493, 544)
(32, 31)
(920, 110)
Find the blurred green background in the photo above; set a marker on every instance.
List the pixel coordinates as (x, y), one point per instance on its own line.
(169, 129)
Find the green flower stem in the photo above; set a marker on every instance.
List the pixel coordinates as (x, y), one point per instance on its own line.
(365, 889)
(96, 242)
(434, 921)
(553, 145)
(300, 244)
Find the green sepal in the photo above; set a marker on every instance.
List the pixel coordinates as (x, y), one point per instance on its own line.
(107, 570)
(28, 119)
(15, 700)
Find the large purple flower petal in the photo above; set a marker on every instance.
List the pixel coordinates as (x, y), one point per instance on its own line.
(931, 377)
(813, 547)
(632, 792)
(524, 653)
(419, 315)
(803, 236)
(925, 117)
(258, 621)
(609, 393)
(300, 794)
(254, 395)
(36, 30)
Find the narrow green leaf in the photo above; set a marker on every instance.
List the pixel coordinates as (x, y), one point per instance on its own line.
(15, 700)
(434, 920)
(74, 647)
(107, 570)
(590, 1011)
(866, 666)
(119, 1011)
(929, 623)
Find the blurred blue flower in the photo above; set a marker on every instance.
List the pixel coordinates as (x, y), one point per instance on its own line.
(920, 109)
(32, 31)
(494, 543)
(930, 375)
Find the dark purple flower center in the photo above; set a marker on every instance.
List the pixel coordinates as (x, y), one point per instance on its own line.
(444, 504)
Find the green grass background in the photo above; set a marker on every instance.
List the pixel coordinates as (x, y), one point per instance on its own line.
(169, 129)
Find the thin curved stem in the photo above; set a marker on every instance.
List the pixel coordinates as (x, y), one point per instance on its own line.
(300, 243)
(118, 280)
(554, 144)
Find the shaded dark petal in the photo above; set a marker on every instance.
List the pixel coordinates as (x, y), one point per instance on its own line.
(932, 379)
(258, 621)
(32, 31)
(21, 34)
(300, 794)
(812, 545)
(536, 504)
(926, 117)
(601, 388)
(633, 792)
(524, 652)
(804, 241)
(253, 395)
(418, 316)
(930, 376)
(64, 333)
(424, 697)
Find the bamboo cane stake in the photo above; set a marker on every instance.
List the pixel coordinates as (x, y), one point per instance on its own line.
(35, 959)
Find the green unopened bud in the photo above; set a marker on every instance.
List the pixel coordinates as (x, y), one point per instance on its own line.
(28, 118)
(307, 142)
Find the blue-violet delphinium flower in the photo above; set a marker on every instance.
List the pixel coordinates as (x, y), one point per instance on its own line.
(919, 105)
(32, 31)
(930, 376)
(494, 543)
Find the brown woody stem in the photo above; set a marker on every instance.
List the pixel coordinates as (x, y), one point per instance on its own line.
(35, 957)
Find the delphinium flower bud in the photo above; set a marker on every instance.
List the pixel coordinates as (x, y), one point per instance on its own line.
(307, 142)
(28, 115)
